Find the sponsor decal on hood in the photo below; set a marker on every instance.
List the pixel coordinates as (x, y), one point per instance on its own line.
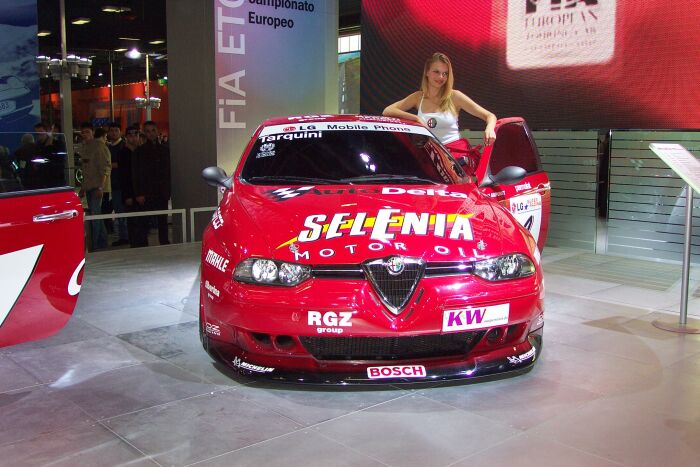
(386, 225)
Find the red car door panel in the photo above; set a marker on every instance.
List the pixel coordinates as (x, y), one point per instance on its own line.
(529, 199)
(42, 255)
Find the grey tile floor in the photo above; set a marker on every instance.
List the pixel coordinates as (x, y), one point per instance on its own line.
(127, 383)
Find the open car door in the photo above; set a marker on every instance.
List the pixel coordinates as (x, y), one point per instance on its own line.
(529, 199)
(42, 255)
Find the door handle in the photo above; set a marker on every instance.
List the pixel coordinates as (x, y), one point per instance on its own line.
(55, 217)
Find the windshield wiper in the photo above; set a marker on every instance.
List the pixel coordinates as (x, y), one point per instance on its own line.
(291, 179)
(389, 178)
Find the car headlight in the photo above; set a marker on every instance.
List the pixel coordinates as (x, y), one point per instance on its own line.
(270, 272)
(506, 267)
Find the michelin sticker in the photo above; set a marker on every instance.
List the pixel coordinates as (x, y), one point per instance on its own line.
(527, 210)
(522, 358)
(243, 365)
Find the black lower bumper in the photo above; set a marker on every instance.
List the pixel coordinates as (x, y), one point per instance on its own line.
(513, 360)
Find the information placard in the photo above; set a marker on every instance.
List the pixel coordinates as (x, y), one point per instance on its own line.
(680, 161)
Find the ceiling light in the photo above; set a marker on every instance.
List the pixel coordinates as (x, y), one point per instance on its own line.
(115, 9)
(121, 50)
(133, 53)
(80, 21)
(43, 33)
(129, 38)
(157, 41)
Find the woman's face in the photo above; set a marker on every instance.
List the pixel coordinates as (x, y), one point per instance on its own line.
(437, 74)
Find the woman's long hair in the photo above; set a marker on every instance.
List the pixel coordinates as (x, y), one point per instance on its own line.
(446, 90)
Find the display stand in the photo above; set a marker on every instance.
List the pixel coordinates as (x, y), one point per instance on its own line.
(688, 168)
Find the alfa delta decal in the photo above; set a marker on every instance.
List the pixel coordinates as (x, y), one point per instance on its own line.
(384, 226)
(398, 371)
(330, 322)
(475, 318)
(283, 194)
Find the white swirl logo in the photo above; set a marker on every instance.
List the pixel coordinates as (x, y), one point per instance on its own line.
(73, 286)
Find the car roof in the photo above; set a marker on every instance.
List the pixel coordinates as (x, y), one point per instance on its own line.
(335, 118)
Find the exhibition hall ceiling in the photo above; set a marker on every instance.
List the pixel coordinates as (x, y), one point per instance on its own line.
(116, 26)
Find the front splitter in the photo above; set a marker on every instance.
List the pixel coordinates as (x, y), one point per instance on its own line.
(519, 359)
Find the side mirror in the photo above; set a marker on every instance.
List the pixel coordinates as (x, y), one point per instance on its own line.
(216, 176)
(507, 176)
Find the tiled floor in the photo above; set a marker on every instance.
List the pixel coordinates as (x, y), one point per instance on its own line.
(127, 383)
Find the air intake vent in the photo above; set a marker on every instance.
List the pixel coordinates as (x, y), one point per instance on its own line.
(391, 348)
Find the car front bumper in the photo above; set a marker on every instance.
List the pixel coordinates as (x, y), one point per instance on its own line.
(474, 365)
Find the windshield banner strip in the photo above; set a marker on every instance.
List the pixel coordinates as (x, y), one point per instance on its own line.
(344, 126)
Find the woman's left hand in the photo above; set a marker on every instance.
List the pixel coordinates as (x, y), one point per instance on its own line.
(489, 136)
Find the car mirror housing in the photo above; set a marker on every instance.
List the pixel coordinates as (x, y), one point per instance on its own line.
(216, 176)
(507, 176)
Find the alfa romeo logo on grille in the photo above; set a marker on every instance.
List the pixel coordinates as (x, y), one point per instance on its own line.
(395, 265)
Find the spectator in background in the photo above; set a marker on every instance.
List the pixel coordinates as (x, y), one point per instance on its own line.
(101, 135)
(24, 155)
(137, 226)
(97, 167)
(151, 169)
(46, 142)
(115, 143)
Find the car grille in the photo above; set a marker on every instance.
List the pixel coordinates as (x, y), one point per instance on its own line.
(391, 348)
(394, 289)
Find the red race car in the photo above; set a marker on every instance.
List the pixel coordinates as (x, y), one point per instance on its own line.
(42, 256)
(354, 249)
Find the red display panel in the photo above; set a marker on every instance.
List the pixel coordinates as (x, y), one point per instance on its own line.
(558, 63)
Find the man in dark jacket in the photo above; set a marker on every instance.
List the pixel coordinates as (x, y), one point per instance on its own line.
(136, 234)
(151, 170)
(115, 143)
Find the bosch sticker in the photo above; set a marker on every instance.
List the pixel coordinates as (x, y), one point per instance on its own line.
(398, 371)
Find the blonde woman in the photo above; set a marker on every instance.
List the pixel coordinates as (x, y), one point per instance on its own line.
(438, 107)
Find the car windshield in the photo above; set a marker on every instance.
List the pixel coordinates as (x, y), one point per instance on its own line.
(323, 154)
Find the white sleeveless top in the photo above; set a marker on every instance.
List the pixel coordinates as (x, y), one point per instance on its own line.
(442, 124)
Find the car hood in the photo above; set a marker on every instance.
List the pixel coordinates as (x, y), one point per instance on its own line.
(348, 224)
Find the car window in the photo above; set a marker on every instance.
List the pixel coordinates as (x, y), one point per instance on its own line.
(31, 161)
(343, 155)
(513, 147)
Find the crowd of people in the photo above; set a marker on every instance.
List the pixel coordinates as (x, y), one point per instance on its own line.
(36, 163)
(125, 174)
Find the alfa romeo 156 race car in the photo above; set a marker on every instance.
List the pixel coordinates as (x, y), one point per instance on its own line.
(356, 249)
